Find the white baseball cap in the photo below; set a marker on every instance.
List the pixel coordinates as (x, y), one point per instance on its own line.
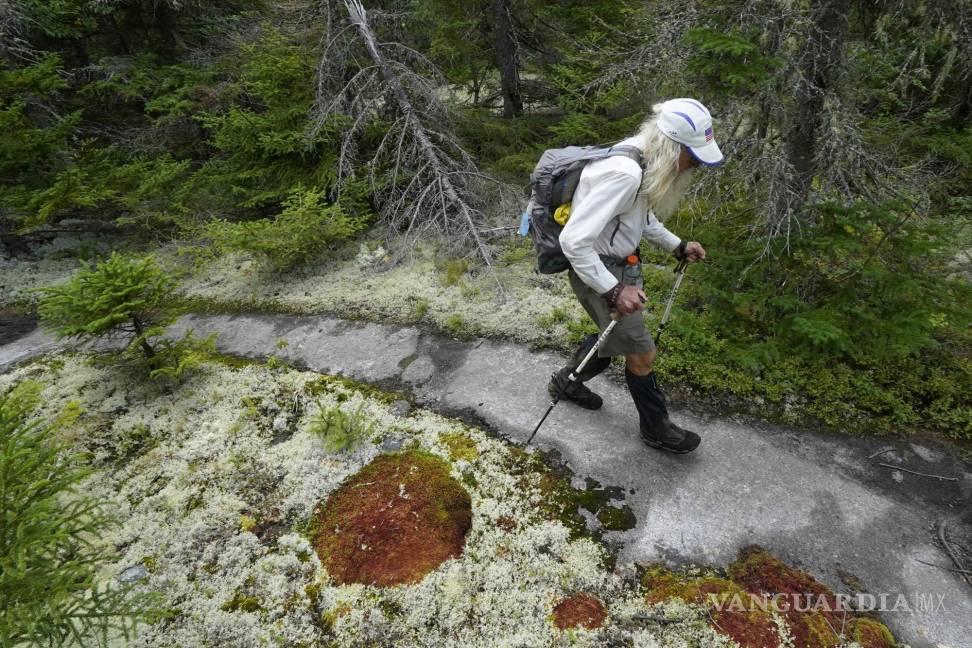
(688, 122)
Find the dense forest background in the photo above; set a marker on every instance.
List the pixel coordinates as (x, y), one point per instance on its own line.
(838, 232)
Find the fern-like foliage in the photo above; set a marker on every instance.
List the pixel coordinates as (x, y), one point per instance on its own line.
(340, 430)
(50, 554)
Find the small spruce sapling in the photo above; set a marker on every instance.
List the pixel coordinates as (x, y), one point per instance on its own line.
(128, 297)
(340, 430)
(119, 295)
(51, 593)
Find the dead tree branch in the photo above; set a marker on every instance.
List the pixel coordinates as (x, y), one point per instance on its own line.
(423, 180)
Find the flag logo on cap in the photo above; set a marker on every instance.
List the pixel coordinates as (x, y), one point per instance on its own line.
(708, 134)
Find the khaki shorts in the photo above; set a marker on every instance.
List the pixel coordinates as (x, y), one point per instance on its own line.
(629, 336)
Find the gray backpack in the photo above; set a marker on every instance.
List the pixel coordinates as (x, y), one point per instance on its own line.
(553, 182)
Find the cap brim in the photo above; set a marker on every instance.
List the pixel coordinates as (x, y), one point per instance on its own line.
(709, 155)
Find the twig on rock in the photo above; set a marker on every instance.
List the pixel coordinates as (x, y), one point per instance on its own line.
(951, 569)
(942, 524)
(881, 452)
(915, 472)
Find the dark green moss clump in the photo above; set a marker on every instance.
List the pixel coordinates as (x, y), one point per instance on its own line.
(343, 388)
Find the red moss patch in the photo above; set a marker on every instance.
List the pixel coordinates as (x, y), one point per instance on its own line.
(749, 629)
(740, 619)
(579, 610)
(810, 608)
(393, 522)
(746, 598)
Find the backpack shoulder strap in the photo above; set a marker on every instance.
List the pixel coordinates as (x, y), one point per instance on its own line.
(630, 152)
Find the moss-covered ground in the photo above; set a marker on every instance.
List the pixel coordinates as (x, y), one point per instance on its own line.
(759, 594)
(392, 522)
(428, 533)
(460, 299)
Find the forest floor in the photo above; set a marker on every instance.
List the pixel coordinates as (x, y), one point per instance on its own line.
(818, 501)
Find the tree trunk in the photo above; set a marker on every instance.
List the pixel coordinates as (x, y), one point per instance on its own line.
(819, 62)
(505, 54)
(168, 23)
(139, 331)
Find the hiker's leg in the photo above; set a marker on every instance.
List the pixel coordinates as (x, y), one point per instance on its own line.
(656, 428)
(576, 391)
(640, 364)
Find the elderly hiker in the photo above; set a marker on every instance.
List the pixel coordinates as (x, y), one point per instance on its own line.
(615, 205)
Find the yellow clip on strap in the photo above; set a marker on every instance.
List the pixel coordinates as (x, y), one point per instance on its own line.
(562, 214)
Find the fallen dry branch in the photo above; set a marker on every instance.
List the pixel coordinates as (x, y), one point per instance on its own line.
(943, 539)
(915, 472)
(948, 569)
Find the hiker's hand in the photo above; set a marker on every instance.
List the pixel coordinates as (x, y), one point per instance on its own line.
(631, 300)
(694, 251)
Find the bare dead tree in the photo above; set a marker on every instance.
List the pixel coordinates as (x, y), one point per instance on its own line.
(424, 182)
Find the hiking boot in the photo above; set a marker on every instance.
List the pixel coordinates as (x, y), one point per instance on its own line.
(676, 439)
(576, 391)
(657, 430)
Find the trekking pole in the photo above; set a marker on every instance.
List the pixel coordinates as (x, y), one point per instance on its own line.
(573, 374)
(679, 275)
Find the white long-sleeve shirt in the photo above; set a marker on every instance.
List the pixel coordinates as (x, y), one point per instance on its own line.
(608, 217)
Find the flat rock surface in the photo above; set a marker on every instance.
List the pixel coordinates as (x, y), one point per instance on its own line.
(820, 502)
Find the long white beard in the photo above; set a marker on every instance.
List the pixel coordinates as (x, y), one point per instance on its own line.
(666, 204)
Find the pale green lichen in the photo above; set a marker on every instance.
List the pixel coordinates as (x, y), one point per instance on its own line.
(214, 506)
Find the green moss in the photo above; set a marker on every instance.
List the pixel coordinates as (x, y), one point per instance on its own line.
(617, 518)
(563, 502)
(421, 308)
(452, 271)
(241, 602)
(460, 446)
(872, 634)
(341, 386)
(519, 251)
(151, 563)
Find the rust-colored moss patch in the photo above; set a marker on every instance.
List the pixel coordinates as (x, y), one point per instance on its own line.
(758, 583)
(810, 608)
(739, 617)
(579, 610)
(393, 522)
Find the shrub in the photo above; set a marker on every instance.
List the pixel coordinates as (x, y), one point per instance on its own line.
(117, 296)
(49, 551)
(174, 358)
(129, 297)
(305, 228)
(340, 430)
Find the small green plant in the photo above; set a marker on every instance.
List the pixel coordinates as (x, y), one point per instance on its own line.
(119, 295)
(454, 324)
(303, 230)
(173, 359)
(340, 430)
(453, 270)
(557, 315)
(50, 555)
(421, 308)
